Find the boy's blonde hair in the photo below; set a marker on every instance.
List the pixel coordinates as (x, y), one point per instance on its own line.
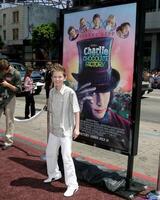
(58, 68)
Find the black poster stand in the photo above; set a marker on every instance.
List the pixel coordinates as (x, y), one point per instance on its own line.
(131, 187)
(110, 180)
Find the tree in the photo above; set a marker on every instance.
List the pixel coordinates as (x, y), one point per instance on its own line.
(45, 40)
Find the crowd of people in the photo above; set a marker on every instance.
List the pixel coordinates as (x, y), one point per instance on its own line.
(153, 77)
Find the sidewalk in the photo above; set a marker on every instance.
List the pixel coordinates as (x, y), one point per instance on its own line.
(145, 163)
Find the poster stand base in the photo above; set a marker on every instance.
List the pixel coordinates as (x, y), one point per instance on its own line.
(134, 190)
(111, 180)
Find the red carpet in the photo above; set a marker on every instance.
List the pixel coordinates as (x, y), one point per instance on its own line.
(22, 173)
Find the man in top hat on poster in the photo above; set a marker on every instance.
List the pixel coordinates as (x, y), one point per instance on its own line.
(96, 82)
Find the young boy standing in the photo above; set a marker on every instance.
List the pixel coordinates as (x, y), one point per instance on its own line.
(64, 125)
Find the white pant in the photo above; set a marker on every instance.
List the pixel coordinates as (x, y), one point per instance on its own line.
(9, 114)
(52, 150)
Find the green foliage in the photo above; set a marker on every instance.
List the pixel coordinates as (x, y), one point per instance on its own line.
(45, 36)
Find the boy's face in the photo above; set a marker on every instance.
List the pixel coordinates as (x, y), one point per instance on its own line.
(58, 79)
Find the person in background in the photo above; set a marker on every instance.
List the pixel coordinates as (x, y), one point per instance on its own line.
(48, 80)
(29, 96)
(10, 84)
(43, 71)
(64, 126)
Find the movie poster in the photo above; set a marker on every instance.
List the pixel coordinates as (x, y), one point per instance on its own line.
(98, 55)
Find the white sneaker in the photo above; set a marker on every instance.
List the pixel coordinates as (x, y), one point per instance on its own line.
(70, 191)
(50, 179)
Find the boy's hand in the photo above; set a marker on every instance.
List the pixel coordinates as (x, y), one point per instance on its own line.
(75, 133)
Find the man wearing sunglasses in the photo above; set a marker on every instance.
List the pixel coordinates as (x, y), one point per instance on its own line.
(10, 84)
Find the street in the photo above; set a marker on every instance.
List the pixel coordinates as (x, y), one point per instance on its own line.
(150, 107)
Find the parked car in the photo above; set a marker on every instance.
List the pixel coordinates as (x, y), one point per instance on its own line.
(36, 76)
(2, 56)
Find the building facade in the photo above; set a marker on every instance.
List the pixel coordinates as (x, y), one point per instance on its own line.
(17, 23)
(152, 35)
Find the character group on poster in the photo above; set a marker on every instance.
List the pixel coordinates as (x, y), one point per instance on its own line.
(109, 25)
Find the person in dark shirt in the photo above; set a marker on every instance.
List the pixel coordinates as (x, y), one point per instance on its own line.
(48, 79)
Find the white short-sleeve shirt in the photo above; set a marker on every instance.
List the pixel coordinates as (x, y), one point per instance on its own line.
(62, 106)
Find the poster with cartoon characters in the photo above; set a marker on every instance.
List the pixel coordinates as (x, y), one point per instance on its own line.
(98, 55)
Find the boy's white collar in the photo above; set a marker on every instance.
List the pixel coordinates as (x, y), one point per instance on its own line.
(62, 89)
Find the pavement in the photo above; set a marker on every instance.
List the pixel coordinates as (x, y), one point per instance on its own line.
(145, 162)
